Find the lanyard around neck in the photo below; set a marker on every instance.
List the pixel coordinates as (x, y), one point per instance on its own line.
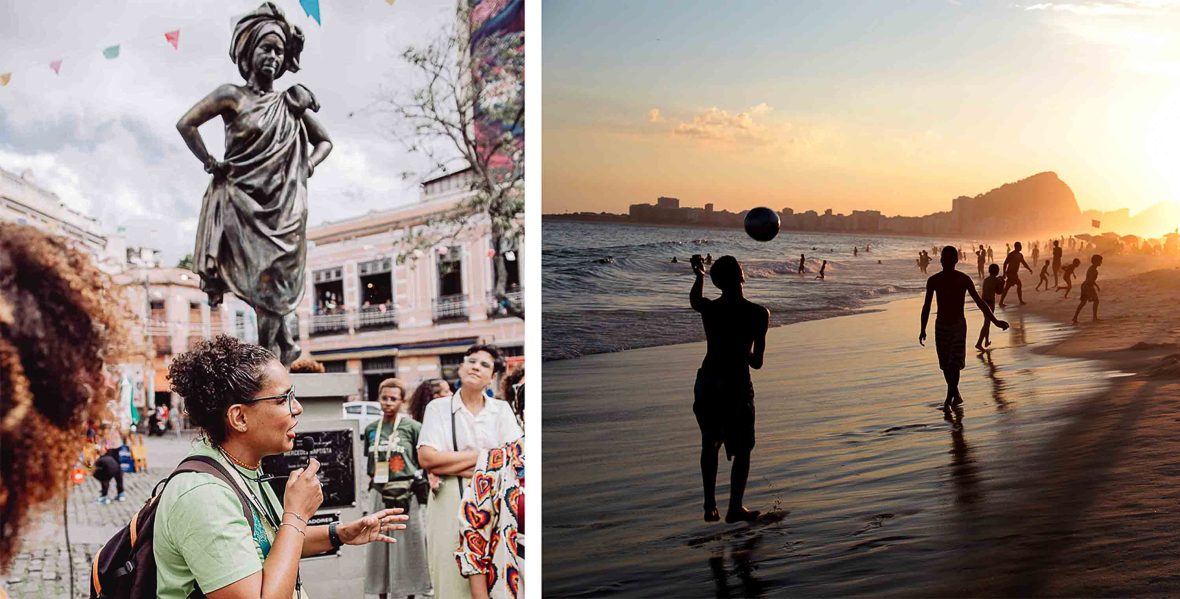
(258, 503)
(380, 423)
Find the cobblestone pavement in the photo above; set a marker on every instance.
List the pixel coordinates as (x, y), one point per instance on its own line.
(42, 568)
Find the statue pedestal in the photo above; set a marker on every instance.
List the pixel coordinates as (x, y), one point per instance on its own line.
(335, 442)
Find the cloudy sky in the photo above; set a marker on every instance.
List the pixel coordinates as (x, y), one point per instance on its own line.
(858, 104)
(101, 134)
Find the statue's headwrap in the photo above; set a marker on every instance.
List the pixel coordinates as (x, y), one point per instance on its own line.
(250, 30)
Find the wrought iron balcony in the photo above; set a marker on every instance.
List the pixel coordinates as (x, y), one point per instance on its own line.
(450, 308)
(377, 317)
(329, 324)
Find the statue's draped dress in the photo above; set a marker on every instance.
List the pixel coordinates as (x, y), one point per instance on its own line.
(251, 236)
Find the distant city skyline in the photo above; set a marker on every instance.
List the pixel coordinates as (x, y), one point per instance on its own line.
(858, 105)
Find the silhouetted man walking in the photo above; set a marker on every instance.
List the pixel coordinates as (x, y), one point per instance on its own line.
(950, 327)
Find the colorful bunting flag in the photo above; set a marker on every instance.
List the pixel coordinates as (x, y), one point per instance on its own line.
(111, 53)
(5, 78)
(390, 2)
(56, 66)
(173, 38)
(312, 8)
(1096, 224)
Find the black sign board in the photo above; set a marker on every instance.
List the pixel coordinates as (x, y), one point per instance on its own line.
(333, 449)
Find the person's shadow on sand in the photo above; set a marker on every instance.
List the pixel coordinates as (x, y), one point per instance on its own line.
(964, 472)
(743, 570)
(998, 384)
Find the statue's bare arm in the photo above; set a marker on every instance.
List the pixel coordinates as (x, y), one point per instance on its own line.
(223, 102)
(321, 144)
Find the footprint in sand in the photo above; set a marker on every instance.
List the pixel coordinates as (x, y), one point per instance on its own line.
(874, 523)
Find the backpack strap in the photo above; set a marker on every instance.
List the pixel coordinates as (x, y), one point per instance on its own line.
(208, 465)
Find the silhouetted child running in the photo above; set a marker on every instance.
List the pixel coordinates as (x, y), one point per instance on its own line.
(1044, 277)
(950, 326)
(822, 267)
(1090, 288)
(991, 286)
(735, 333)
(1012, 266)
(801, 260)
(1067, 273)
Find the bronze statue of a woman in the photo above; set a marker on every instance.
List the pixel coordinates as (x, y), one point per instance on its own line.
(251, 238)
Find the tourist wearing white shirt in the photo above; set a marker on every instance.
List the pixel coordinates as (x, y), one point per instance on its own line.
(454, 430)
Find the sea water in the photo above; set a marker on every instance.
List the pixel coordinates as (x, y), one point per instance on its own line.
(609, 287)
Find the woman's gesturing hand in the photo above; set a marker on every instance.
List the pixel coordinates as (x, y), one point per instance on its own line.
(373, 527)
(303, 494)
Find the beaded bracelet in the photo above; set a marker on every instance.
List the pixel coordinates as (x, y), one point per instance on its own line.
(297, 516)
(295, 527)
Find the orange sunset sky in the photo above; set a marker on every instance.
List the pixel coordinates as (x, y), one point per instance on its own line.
(857, 105)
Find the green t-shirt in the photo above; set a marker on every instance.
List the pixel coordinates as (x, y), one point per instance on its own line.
(400, 441)
(201, 535)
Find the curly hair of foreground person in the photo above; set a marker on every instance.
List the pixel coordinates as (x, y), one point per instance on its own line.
(214, 375)
(61, 332)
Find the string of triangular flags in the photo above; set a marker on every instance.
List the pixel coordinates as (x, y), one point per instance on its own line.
(311, 7)
(109, 52)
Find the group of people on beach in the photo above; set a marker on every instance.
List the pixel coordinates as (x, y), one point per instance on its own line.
(735, 333)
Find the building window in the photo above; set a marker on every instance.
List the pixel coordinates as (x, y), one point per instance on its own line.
(329, 290)
(451, 303)
(377, 306)
(335, 365)
(158, 328)
(498, 306)
(375, 370)
(328, 311)
(448, 366)
(195, 328)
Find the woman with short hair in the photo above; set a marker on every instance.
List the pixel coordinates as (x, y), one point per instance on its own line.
(242, 399)
(454, 431)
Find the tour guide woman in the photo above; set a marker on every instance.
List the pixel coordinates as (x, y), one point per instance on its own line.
(454, 430)
(242, 399)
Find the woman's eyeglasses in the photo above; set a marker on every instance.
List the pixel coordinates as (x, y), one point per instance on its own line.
(289, 396)
(481, 363)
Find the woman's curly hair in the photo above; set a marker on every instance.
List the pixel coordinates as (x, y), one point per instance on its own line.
(61, 334)
(513, 395)
(213, 376)
(422, 396)
(306, 366)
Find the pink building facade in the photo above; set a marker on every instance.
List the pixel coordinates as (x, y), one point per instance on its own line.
(364, 312)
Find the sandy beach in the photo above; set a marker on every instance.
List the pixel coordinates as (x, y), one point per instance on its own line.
(1096, 512)
(1057, 482)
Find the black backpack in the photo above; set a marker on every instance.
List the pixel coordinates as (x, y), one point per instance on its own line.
(125, 567)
